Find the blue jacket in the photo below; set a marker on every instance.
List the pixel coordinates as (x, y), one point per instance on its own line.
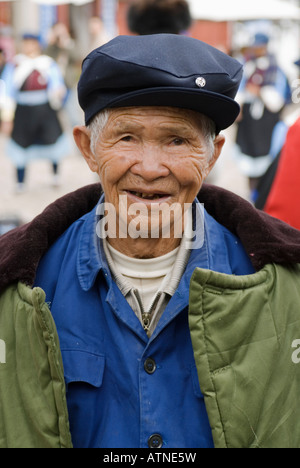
(113, 399)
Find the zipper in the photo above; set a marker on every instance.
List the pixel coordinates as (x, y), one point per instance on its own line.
(146, 316)
(146, 321)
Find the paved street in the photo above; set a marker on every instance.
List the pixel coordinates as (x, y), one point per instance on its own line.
(74, 174)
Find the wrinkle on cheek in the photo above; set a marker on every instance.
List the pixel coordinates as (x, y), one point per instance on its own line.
(112, 165)
(198, 167)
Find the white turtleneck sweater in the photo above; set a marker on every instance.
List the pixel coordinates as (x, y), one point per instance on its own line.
(148, 276)
(148, 284)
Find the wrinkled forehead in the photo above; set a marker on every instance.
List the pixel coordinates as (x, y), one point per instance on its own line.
(160, 115)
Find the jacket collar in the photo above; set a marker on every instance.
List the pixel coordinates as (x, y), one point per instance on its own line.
(265, 239)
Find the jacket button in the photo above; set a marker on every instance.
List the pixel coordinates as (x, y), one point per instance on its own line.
(150, 366)
(155, 441)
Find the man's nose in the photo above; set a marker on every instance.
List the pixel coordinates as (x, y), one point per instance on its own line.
(150, 163)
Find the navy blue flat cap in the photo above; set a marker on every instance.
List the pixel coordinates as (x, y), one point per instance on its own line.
(161, 70)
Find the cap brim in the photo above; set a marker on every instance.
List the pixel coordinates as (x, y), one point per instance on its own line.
(221, 109)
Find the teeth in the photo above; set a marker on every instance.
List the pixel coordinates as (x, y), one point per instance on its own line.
(149, 196)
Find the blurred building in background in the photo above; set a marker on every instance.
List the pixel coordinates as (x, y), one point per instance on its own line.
(216, 22)
(40, 15)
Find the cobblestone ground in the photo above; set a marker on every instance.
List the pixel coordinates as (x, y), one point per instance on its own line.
(74, 173)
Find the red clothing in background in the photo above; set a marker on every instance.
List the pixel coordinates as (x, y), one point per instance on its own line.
(284, 198)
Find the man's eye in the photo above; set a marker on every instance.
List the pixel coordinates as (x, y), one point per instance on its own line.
(178, 141)
(126, 138)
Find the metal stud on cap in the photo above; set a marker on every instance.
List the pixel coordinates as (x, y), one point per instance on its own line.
(200, 82)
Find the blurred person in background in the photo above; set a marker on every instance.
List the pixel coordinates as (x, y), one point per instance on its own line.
(37, 89)
(62, 48)
(97, 33)
(263, 95)
(159, 16)
(6, 104)
(283, 198)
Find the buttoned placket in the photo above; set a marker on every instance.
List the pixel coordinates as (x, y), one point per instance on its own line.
(151, 365)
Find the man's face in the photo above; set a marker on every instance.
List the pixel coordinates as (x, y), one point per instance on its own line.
(152, 156)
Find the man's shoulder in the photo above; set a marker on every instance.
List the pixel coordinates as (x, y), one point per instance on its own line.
(265, 239)
(63, 253)
(22, 249)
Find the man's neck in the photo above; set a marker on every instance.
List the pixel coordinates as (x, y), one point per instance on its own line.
(144, 248)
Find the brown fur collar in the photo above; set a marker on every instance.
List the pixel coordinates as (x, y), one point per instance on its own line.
(265, 239)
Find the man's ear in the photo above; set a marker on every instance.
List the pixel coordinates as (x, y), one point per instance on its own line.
(82, 137)
(218, 145)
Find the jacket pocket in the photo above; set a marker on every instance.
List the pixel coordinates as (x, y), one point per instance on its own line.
(83, 366)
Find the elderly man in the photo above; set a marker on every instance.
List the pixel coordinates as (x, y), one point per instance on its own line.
(146, 312)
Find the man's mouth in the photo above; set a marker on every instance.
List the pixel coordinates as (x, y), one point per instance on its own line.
(148, 196)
